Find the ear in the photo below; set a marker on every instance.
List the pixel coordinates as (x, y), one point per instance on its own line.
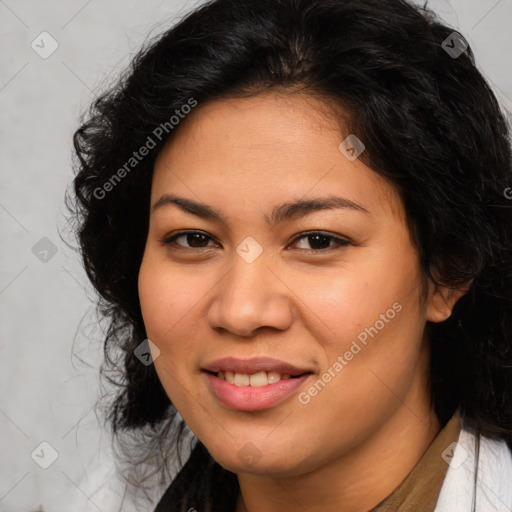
(442, 300)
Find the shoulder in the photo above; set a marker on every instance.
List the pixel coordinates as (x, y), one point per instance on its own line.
(493, 488)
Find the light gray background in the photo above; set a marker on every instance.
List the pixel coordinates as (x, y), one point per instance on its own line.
(46, 393)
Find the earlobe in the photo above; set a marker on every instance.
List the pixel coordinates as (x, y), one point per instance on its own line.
(442, 302)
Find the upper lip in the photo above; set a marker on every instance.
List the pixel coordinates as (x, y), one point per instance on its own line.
(254, 365)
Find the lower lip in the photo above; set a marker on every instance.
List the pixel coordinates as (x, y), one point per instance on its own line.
(253, 398)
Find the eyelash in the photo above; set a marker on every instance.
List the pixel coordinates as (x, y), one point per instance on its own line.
(169, 241)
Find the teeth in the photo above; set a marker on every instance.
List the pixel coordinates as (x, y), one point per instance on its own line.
(258, 379)
(255, 379)
(273, 377)
(241, 379)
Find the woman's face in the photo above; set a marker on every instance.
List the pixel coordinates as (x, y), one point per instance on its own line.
(323, 335)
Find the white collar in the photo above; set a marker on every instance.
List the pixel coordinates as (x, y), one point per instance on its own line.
(494, 477)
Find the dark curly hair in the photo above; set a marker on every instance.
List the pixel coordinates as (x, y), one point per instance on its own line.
(430, 123)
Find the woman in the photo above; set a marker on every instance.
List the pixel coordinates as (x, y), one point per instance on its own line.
(295, 215)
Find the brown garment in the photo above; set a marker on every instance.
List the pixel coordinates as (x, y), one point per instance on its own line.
(420, 490)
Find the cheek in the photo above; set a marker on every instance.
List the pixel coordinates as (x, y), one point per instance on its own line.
(378, 324)
(164, 305)
(368, 375)
(165, 301)
(154, 300)
(359, 302)
(384, 341)
(166, 297)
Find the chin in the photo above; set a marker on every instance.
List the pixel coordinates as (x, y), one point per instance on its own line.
(248, 459)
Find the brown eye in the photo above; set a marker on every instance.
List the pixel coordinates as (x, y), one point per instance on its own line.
(194, 239)
(319, 241)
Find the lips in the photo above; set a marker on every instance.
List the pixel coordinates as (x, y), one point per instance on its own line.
(253, 384)
(254, 365)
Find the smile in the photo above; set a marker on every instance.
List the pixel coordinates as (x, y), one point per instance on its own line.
(253, 384)
(256, 379)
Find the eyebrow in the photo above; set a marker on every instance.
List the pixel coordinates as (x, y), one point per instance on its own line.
(281, 213)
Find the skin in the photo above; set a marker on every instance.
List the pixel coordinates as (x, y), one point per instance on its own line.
(357, 439)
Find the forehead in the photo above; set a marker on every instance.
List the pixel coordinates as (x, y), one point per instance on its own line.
(266, 148)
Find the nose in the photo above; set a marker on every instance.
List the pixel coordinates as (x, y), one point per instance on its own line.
(249, 297)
